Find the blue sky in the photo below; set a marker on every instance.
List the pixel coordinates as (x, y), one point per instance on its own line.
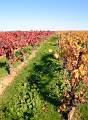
(43, 14)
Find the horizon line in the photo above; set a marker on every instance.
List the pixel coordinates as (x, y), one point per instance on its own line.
(42, 29)
(15, 30)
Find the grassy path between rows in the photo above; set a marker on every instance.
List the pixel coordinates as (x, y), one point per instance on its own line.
(6, 80)
(9, 78)
(35, 91)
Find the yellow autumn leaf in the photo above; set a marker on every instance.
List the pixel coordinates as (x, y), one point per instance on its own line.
(76, 73)
(50, 50)
(56, 56)
(82, 70)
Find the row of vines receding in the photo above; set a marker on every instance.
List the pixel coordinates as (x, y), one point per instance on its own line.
(73, 52)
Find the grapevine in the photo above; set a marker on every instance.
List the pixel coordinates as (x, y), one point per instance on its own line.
(73, 51)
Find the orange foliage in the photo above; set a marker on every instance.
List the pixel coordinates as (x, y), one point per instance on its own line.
(74, 52)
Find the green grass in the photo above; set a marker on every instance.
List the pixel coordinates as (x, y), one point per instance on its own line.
(35, 93)
(84, 111)
(3, 71)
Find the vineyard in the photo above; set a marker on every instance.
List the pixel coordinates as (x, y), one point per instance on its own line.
(14, 40)
(10, 41)
(47, 75)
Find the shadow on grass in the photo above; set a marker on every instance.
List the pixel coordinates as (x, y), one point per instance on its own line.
(45, 77)
(4, 65)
